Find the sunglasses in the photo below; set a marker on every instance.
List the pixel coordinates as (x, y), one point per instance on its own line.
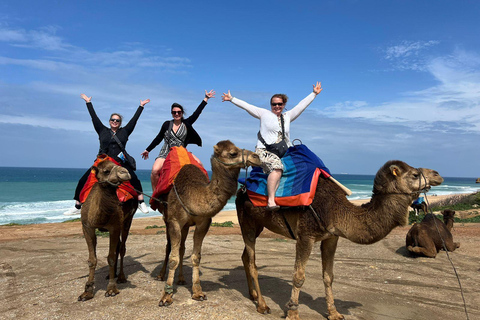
(177, 112)
(277, 104)
(116, 120)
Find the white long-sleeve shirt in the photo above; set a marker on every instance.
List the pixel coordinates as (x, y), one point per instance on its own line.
(269, 123)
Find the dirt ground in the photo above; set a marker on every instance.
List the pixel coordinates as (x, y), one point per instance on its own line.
(43, 270)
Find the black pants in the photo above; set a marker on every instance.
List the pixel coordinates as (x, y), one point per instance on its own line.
(134, 181)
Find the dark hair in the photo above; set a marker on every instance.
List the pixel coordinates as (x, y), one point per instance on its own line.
(117, 114)
(177, 105)
(281, 96)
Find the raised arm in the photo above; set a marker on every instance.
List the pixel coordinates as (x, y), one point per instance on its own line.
(201, 106)
(251, 109)
(97, 124)
(156, 140)
(133, 122)
(302, 105)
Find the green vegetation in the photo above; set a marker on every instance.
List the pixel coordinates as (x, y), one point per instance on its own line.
(102, 234)
(457, 203)
(160, 231)
(280, 240)
(73, 220)
(226, 224)
(11, 224)
(154, 227)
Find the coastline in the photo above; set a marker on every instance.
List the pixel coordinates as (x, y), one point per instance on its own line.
(139, 224)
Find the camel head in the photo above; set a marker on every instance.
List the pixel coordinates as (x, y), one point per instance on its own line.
(448, 214)
(397, 177)
(107, 171)
(228, 154)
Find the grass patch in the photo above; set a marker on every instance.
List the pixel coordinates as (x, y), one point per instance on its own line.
(154, 227)
(11, 224)
(160, 232)
(102, 234)
(280, 240)
(73, 220)
(458, 202)
(226, 224)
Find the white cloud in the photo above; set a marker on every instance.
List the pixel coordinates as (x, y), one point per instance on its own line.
(409, 55)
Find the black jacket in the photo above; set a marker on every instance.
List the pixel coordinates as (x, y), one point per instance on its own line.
(192, 135)
(108, 145)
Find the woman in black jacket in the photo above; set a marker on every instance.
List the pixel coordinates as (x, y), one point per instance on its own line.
(110, 147)
(176, 132)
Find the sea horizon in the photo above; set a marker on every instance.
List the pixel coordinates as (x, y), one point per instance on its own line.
(32, 195)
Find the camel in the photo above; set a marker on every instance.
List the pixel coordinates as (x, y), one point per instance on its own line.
(103, 210)
(329, 217)
(193, 201)
(432, 234)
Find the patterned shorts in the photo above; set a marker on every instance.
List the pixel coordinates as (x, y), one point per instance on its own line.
(269, 160)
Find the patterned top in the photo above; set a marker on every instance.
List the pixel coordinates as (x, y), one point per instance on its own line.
(173, 139)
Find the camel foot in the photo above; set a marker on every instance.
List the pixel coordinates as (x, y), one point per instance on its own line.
(111, 290)
(85, 296)
(88, 294)
(263, 310)
(292, 315)
(166, 300)
(199, 296)
(335, 316)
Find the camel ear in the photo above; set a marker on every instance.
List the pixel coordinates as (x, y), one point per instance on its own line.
(95, 169)
(395, 170)
(215, 149)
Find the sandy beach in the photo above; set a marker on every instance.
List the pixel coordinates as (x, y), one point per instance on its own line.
(43, 269)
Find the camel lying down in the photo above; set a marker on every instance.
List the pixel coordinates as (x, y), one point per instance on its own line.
(425, 238)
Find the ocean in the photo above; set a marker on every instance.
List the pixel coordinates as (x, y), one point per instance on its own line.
(42, 195)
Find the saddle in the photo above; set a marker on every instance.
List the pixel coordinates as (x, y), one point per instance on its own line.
(177, 157)
(302, 169)
(125, 191)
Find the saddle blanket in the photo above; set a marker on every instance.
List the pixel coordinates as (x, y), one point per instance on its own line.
(177, 157)
(298, 183)
(125, 191)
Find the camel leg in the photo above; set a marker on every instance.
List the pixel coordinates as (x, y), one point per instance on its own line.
(122, 278)
(198, 236)
(328, 248)
(112, 254)
(424, 246)
(174, 233)
(250, 234)
(303, 250)
(450, 245)
(181, 277)
(168, 249)
(91, 240)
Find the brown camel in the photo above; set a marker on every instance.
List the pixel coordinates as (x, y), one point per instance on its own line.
(103, 210)
(329, 217)
(193, 201)
(425, 238)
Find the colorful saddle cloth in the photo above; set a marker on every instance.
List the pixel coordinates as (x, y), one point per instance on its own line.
(125, 191)
(297, 184)
(177, 157)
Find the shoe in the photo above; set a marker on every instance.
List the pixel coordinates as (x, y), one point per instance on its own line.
(72, 212)
(272, 208)
(143, 207)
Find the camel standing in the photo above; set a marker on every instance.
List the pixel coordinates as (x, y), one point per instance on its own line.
(102, 209)
(396, 185)
(193, 201)
(426, 237)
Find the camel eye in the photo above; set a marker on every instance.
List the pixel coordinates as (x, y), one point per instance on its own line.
(106, 171)
(233, 154)
(415, 175)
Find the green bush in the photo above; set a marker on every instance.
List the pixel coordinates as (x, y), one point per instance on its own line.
(227, 224)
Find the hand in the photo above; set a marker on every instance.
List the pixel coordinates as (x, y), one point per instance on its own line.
(227, 96)
(210, 94)
(317, 88)
(84, 97)
(145, 154)
(144, 102)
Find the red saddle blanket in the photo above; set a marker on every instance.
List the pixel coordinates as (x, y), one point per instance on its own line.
(125, 191)
(177, 157)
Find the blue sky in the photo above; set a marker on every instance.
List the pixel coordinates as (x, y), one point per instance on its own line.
(401, 79)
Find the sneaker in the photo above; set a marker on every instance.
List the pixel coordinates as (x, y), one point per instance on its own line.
(71, 212)
(143, 207)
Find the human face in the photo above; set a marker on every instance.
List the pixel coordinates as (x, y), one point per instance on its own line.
(115, 122)
(177, 113)
(277, 106)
